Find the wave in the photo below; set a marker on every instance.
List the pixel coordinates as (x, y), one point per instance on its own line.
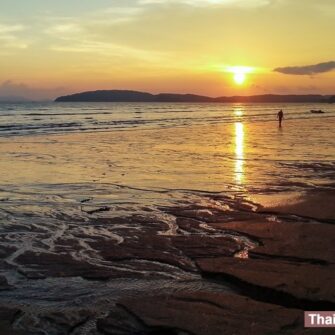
(50, 119)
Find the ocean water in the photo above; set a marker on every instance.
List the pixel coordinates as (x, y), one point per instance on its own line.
(66, 166)
(205, 147)
(49, 118)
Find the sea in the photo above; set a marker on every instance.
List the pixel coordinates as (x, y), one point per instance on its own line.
(54, 118)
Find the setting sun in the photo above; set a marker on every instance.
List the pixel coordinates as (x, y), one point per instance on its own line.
(239, 78)
(239, 73)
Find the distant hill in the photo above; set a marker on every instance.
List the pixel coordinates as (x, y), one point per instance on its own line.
(134, 96)
(331, 100)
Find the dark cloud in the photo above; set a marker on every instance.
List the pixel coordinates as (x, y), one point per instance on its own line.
(308, 69)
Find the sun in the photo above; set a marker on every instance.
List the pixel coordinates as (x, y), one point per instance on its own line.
(239, 78)
(239, 73)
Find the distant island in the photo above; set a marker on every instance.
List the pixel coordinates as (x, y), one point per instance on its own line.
(135, 96)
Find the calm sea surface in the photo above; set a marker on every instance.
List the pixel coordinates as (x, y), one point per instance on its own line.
(48, 118)
(205, 147)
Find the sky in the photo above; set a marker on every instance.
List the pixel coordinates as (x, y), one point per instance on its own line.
(209, 47)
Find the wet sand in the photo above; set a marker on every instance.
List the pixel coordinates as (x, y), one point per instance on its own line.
(211, 269)
(216, 230)
(316, 204)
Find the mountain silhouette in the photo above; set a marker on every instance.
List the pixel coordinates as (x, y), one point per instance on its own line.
(135, 96)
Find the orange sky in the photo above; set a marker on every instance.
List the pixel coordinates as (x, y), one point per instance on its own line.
(50, 49)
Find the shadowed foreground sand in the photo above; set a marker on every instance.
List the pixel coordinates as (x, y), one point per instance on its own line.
(264, 273)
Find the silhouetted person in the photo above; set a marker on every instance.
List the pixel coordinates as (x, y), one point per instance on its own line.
(280, 117)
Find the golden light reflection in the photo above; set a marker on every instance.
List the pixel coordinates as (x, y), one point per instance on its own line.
(239, 152)
(238, 111)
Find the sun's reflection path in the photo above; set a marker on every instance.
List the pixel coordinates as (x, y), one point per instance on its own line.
(238, 111)
(239, 152)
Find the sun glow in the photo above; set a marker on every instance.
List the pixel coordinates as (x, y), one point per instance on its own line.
(238, 111)
(239, 78)
(239, 73)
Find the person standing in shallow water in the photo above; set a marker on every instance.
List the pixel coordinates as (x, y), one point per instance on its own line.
(280, 117)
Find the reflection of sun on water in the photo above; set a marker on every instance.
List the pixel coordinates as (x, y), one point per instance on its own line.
(238, 111)
(239, 152)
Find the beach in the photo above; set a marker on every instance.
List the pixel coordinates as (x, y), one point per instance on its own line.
(165, 218)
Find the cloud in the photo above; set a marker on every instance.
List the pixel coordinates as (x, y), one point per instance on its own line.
(109, 49)
(238, 3)
(9, 36)
(11, 89)
(93, 36)
(4, 29)
(308, 69)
